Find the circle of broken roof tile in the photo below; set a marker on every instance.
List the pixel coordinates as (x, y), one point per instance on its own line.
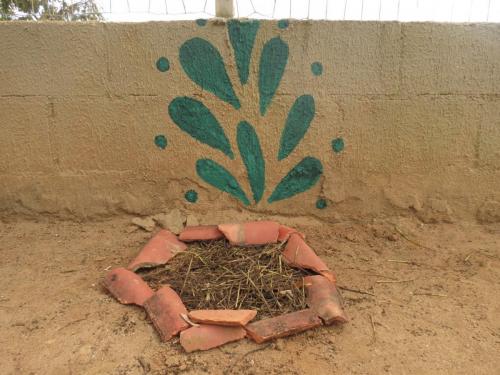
(170, 317)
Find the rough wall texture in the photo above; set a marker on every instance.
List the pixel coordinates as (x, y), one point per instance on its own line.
(403, 118)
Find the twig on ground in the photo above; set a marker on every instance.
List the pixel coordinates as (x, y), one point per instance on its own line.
(429, 294)
(403, 261)
(393, 281)
(187, 275)
(412, 241)
(68, 271)
(379, 275)
(374, 337)
(71, 323)
(356, 291)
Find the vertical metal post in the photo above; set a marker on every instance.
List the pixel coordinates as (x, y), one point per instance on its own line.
(224, 8)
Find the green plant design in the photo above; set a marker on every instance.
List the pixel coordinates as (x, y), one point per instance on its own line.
(297, 123)
(219, 177)
(195, 118)
(251, 153)
(204, 65)
(271, 68)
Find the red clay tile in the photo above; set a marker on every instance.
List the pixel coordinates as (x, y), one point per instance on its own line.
(251, 233)
(235, 233)
(222, 317)
(329, 275)
(201, 233)
(206, 336)
(159, 250)
(261, 232)
(298, 254)
(164, 309)
(283, 325)
(324, 298)
(127, 287)
(285, 232)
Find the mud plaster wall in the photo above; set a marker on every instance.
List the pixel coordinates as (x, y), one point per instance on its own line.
(405, 119)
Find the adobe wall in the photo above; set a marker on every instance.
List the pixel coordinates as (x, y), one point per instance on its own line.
(339, 120)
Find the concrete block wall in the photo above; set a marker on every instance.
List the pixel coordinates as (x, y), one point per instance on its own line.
(417, 106)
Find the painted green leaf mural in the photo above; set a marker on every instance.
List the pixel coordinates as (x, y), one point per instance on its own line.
(193, 117)
(300, 178)
(203, 63)
(242, 36)
(298, 121)
(271, 68)
(251, 153)
(219, 177)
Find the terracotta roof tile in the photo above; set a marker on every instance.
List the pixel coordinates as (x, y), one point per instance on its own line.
(283, 325)
(205, 336)
(127, 287)
(164, 309)
(159, 250)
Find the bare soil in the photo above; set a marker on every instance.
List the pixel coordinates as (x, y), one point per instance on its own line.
(423, 299)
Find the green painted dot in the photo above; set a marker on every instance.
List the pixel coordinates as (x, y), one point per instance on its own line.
(317, 68)
(191, 196)
(162, 64)
(337, 145)
(283, 24)
(321, 203)
(201, 22)
(161, 141)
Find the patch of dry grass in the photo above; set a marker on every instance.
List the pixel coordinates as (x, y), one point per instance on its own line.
(215, 275)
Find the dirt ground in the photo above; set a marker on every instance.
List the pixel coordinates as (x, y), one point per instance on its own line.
(424, 299)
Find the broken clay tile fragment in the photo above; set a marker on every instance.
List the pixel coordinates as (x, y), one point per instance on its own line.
(206, 336)
(164, 308)
(159, 250)
(222, 317)
(285, 232)
(261, 232)
(235, 233)
(127, 287)
(329, 275)
(298, 254)
(251, 233)
(283, 325)
(324, 298)
(201, 233)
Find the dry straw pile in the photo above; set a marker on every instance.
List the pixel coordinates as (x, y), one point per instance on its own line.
(215, 275)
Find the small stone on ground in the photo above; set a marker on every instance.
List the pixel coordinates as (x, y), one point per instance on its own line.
(146, 223)
(173, 220)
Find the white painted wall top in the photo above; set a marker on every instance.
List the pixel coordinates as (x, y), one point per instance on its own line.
(369, 10)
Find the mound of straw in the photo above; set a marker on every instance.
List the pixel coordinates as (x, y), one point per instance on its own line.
(215, 275)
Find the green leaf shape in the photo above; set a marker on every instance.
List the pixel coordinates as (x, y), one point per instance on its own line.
(242, 36)
(251, 153)
(203, 63)
(219, 177)
(271, 68)
(302, 177)
(193, 117)
(298, 121)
